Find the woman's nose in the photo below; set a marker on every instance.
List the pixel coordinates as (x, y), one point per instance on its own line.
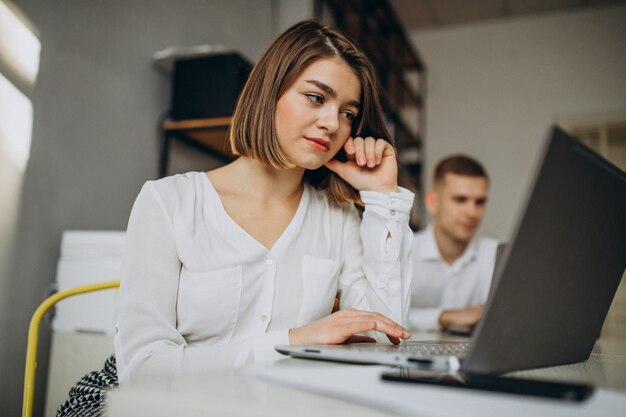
(328, 120)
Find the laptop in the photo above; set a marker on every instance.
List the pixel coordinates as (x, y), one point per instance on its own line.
(553, 287)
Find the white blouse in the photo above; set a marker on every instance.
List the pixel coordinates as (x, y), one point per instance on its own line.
(199, 293)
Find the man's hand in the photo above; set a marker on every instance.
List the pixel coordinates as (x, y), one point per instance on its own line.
(463, 317)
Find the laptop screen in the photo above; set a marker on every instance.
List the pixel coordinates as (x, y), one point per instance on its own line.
(559, 272)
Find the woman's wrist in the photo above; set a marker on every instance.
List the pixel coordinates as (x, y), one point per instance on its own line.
(386, 189)
(383, 188)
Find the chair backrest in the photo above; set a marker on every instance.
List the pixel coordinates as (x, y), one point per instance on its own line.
(33, 336)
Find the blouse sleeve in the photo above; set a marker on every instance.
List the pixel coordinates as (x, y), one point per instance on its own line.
(377, 269)
(147, 342)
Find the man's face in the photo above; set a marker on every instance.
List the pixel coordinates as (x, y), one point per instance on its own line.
(458, 204)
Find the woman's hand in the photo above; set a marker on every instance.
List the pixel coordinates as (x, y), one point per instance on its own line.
(371, 165)
(344, 325)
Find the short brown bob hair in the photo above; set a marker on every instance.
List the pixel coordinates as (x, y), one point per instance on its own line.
(253, 130)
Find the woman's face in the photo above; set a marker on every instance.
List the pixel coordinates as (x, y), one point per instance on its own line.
(314, 115)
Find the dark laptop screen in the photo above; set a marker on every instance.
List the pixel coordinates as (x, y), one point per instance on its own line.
(553, 288)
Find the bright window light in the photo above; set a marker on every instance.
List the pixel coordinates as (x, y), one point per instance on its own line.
(19, 47)
(16, 121)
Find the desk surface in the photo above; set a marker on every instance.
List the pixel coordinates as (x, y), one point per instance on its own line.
(294, 387)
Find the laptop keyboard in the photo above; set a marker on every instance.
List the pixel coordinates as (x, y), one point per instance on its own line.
(420, 348)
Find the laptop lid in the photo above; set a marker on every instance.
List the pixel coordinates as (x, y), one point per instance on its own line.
(562, 267)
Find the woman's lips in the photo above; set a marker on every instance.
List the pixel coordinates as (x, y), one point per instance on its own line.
(319, 144)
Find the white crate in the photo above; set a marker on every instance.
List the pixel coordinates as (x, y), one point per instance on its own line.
(88, 257)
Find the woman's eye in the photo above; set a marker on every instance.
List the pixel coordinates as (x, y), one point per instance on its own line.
(349, 115)
(317, 99)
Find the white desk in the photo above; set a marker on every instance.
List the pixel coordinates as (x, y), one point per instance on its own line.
(293, 387)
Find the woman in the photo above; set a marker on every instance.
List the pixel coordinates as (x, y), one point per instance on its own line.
(224, 265)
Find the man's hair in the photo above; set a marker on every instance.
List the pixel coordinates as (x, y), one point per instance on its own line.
(253, 129)
(458, 164)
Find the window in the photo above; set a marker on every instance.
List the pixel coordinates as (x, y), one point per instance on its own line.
(19, 66)
(606, 134)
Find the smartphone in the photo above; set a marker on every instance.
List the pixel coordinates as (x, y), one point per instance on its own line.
(547, 389)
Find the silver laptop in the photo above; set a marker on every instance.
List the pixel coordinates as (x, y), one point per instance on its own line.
(553, 288)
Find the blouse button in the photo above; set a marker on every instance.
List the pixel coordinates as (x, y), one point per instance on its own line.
(392, 201)
(264, 318)
(392, 212)
(269, 262)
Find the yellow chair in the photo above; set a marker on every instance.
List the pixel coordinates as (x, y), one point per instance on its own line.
(33, 336)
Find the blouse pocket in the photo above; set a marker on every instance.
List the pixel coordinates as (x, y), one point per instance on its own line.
(208, 304)
(320, 283)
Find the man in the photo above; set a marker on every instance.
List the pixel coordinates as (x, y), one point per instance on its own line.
(452, 268)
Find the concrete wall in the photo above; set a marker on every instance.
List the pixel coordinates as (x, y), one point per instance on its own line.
(96, 106)
(494, 89)
(289, 12)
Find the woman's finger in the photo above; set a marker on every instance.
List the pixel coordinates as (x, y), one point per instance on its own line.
(359, 151)
(381, 144)
(349, 148)
(393, 340)
(384, 324)
(347, 325)
(369, 145)
(356, 326)
(360, 339)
